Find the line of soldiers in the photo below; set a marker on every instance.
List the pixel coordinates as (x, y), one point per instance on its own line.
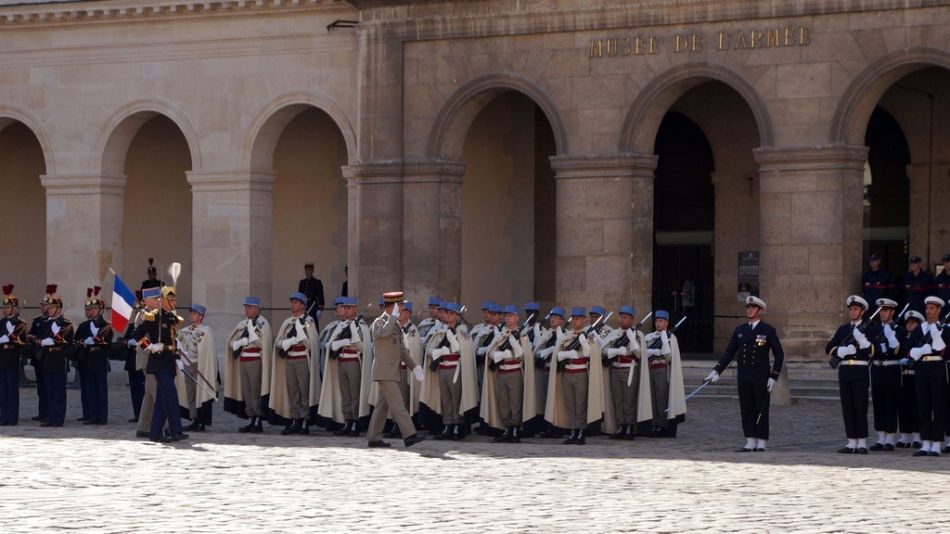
(916, 284)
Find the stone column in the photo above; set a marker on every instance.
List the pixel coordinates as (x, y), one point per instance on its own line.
(374, 255)
(432, 230)
(231, 240)
(811, 212)
(83, 230)
(605, 230)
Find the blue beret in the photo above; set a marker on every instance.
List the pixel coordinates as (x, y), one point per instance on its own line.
(349, 301)
(296, 295)
(252, 301)
(338, 301)
(511, 308)
(406, 305)
(151, 292)
(578, 311)
(435, 301)
(486, 306)
(496, 308)
(627, 310)
(662, 314)
(198, 308)
(453, 307)
(532, 307)
(599, 310)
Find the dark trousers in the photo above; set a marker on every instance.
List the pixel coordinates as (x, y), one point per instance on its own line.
(204, 413)
(40, 391)
(907, 411)
(137, 390)
(9, 397)
(166, 406)
(931, 400)
(85, 393)
(754, 399)
(98, 386)
(886, 397)
(853, 384)
(55, 397)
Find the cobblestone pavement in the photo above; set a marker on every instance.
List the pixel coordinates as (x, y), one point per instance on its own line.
(102, 479)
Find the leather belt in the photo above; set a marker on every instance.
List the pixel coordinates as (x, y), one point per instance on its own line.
(932, 358)
(451, 357)
(854, 362)
(621, 365)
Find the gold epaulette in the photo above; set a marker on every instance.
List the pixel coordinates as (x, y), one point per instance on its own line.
(148, 316)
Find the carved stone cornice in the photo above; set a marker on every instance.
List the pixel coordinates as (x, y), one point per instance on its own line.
(61, 185)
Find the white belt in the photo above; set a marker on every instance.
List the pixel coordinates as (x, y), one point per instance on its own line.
(348, 356)
(854, 362)
(448, 364)
(909, 372)
(886, 363)
(297, 353)
(932, 359)
(575, 367)
(509, 367)
(623, 365)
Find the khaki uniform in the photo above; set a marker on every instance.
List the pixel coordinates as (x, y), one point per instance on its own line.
(659, 364)
(622, 351)
(389, 352)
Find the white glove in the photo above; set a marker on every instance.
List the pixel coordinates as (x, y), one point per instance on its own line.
(438, 353)
(566, 355)
(88, 341)
(545, 353)
(613, 353)
(937, 342)
(847, 350)
(481, 351)
(4, 339)
(239, 343)
(131, 343)
(339, 344)
(287, 343)
(180, 364)
(665, 336)
(917, 352)
(500, 355)
(770, 384)
(47, 342)
(395, 310)
(891, 337)
(713, 376)
(654, 352)
(861, 339)
(453, 341)
(417, 373)
(155, 348)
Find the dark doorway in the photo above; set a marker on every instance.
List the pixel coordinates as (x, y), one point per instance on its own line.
(683, 222)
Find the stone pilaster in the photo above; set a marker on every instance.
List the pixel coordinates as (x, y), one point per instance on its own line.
(811, 212)
(605, 229)
(231, 240)
(374, 196)
(83, 232)
(432, 229)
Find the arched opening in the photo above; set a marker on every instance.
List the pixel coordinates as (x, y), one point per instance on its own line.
(886, 192)
(157, 209)
(508, 204)
(306, 150)
(706, 213)
(22, 163)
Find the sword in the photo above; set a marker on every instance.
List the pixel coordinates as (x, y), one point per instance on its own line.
(193, 379)
(186, 373)
(632, 367)
(697, 390)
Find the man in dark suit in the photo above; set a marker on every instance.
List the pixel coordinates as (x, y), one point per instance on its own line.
(313, 289)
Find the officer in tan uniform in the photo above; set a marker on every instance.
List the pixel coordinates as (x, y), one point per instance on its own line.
(622, 352)
(248, 361)
(290, 376)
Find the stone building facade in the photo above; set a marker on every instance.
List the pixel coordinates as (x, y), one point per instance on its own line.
(576, 152)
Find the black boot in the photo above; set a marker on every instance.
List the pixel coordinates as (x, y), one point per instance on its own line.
(304, 427)
(446, 431)
(619, 434)
(292, 428)
(629, 433)
(258, 427)
(504, 436)
(343, 429)
(193, 426)
(457, 433)
(515, 438)
(580, 438)
(571, 439)
(354, 430)
(248, 427)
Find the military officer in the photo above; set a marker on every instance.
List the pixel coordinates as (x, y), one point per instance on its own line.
(750, 345)
(313, 289)
(37, 326)
(55, 342)
(544, 347)
(12, 343)
(621, 355)
(508, 386)
(344, 365)
(249, 352)
(197, 384)
(942, 280)
(295, 342)
(917, 284)
(158, 335)
(93, 337)
(909, 336)
(390, 354)
(152, 277)
(575, 394)
(875, 282)
(931, 378)
(851, 351)
(449, 386)
(666, 376)
(886, 378)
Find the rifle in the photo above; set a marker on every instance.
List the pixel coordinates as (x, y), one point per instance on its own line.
(576, 342)
(865, 323)
(928, 337)
(505, 334)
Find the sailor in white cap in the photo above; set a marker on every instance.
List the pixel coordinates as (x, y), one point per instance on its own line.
(886, 378)
(929, 356)
(909, 336)
(851, 351)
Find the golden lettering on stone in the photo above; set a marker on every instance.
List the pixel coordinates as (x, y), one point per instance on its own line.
(692, 42)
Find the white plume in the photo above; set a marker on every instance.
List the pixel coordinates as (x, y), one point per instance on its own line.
(174, 270)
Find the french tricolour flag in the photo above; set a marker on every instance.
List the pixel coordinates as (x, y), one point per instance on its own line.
(123, 300)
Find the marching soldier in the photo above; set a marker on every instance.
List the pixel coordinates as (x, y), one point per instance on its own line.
(93, 337)
(344, 363)
(851, 351)
(629, 395)
(575, 395)
(158, 335)
(750, 345)
(249, 355)
(197, 386)
(37, 326)
(55, 342)
(290, 385)
(508, 386)
(390, 351)
(886, 378)
(917, 284)
(545, 344)
(666, 377)
(449, 386)
(875, 282)
(12, 343)
(931, 378)
(909, 337)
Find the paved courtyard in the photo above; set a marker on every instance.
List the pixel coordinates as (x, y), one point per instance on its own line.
(103, 479)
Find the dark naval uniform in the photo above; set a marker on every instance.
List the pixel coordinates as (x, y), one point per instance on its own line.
(931, 387)
(916, 288)
(886, 383)
(36, 331)
(907, 408)
(875, 285)
(55, 345)
(313, 289)
(853, 377)
(12, 339)
(942, 285)
(160, 326)
(93, 338)
(750, 345)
